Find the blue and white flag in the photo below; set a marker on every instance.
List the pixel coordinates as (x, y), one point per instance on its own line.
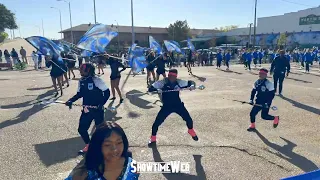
(44, 45)
(154, 45)
(137, 59)
(190, 45)
(62, 46)
(97, 38)
(172, 46)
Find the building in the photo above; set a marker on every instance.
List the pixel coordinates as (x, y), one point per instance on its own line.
(302, 21)
(300, 28)
(125, 35)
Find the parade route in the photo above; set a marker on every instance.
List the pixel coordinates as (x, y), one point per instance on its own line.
(40, 142)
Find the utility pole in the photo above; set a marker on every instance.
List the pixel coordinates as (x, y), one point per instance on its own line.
(250, 34)
(254, 24)
(95, 15)
(133, 38)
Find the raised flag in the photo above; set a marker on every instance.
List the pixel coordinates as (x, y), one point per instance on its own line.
(97, 38)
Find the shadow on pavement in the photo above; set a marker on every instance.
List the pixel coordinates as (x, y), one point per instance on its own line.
(235, 72)
(4, 79)
(201, 175)
(287, 150)
(39, 88)
(202, 79)
(110, 115)
(51, 153)
(136, 100)
(24, 115)
(302, 106)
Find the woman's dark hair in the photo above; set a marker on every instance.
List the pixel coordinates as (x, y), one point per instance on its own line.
(94, 157)
(89, 68)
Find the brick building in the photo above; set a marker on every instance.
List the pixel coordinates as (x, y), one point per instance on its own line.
(124, 37)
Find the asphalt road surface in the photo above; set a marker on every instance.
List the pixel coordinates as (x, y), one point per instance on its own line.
(41, 142)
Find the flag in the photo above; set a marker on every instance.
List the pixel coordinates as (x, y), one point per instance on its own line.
(190, 45)
(172, 46)
(137, 59)
(44, 45)
(154, 45)
(86, 53)
(62, 46)
(97, 38)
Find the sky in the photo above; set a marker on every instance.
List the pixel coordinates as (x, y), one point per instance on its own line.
(200, 14)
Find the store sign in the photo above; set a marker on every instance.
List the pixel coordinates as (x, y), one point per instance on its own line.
(311, 19)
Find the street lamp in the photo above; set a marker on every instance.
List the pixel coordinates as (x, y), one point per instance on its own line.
(70, 19)
(118, 35)
(133, 38)
(95, 14)
(60, 19)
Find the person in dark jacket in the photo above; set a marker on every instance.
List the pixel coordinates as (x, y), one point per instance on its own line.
(189, 62)
(171, 102)
(279, 67)
(94, 94)
(15, 56)
(263, 89)
(0, 55)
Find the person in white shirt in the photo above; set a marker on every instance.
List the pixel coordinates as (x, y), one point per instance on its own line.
(34, 56)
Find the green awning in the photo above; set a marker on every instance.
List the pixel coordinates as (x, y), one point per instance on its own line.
(199, 39)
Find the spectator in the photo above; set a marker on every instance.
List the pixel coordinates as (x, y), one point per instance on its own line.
(7, 57)
(0, 55)
(34, 56)
(108, 156)
(39, 60)
(23, 54)
(15, 56)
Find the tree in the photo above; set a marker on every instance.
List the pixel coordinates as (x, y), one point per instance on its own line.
(7, 19)
(179, 31)
(227, 28)
(282, 39)
(3, 36)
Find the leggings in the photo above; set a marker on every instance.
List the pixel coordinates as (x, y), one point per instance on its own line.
(219, 63)
(165, 111)
(278, 77)
(227, 64)
(264, 114)
(85, 122)
(308, 66)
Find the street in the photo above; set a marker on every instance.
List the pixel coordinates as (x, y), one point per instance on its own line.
(41, 141)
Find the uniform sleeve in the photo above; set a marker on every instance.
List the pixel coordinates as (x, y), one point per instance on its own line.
(100, 84)
(271, 92)
(273, 64)
(157, 85)
(253, 91)
(185, 84)
(269, 86)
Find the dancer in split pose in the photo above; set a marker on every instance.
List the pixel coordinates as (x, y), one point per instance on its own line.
(264, 89)
(94, 93)
(172, 103)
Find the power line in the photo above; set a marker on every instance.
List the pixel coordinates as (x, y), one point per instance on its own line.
(297, 3)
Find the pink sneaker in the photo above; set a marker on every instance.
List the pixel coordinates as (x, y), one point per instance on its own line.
(152, 141)
(84, 150)
(193, 134)
(252, 127)
(276, 121)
